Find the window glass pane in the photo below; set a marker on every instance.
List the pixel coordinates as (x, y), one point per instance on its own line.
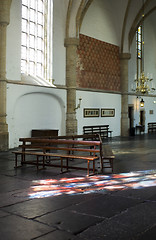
(139, 46)
(24, 12)
(24, 25)
(39, 69)
(32, 28)
(32, 15)
(32, 41)
(40, 18)
(139, 37)
(40, 44)
(23, 66)
(32, 54)
(33, 4)
(24, 39)
(139, 54)
(23, 52)
(32, 68)
(40, 6)
(39, 56)
(25, 2)
(39, 31)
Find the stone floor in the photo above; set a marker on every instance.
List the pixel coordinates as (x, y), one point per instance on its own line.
(72, 206)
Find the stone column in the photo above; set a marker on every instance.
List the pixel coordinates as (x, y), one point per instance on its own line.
(4, 21)
(71, 62)
(124, 57)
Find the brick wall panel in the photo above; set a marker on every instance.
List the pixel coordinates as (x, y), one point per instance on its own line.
(98, 64)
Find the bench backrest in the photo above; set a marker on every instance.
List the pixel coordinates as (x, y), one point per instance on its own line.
(66, 145)
(95, 129)
(82, 136)
(152, 124)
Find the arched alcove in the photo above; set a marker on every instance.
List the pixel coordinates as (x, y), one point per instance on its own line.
(36, 110)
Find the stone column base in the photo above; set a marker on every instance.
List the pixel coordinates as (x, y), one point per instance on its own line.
(124, 127)
(71, 125)
(4, 141)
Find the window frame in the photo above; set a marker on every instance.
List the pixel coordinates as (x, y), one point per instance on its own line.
(36, 47)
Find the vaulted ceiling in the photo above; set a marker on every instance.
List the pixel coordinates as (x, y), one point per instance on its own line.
(131, 11)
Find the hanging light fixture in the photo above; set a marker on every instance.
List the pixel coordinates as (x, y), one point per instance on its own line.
(142, 103)
(142, 82)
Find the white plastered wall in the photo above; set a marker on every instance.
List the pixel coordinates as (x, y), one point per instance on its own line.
(103, 21)
(59, 51)
(31, 107)
(99, 100)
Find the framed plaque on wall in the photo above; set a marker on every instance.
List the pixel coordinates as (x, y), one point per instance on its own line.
(91, 112)
(107, 112)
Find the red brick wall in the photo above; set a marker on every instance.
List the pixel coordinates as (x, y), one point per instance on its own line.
(98, 64)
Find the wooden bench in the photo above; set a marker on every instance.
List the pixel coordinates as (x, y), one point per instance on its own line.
(151, 127)
(61, 150)
(46, 151)
(102, 130)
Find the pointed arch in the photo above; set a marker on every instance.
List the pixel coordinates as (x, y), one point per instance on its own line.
(124, 24)
(75, 14)
(89, 2)
(68, 17)
(78, 16)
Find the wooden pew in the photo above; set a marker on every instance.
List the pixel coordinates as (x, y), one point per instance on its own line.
(46, 151)
(151, 127)
(102, 130)
(50, 150)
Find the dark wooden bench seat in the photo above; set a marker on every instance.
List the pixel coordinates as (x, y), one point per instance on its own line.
(151, 127)
(102, 130)
(46, 151)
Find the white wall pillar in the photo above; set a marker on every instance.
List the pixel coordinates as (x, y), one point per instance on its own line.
(4, 21)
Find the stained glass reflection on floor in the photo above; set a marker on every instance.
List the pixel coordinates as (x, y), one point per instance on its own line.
(92, 184)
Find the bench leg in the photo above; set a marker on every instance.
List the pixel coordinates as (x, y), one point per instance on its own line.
(93, 166)
(111, 160)
(22, 158)
(101, 165)
(16, 160)
(88, 169)
(37, 162)
(43, 161)
(67, 163)
(61, 165)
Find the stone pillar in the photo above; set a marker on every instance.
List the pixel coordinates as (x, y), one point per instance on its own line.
(4, 21)
(71, 62)
(124, 57)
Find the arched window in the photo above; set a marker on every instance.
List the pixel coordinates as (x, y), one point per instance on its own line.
(139, 48)
(36, 38)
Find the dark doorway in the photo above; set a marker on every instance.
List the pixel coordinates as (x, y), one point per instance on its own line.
(142, 117)
(142, 121)
(131, 120)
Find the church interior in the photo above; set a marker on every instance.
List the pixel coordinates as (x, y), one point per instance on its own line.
(71, 68)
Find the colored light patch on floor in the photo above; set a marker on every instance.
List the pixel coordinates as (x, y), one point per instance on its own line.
(92, 184)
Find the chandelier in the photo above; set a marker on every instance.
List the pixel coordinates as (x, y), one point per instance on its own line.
(143, 84)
